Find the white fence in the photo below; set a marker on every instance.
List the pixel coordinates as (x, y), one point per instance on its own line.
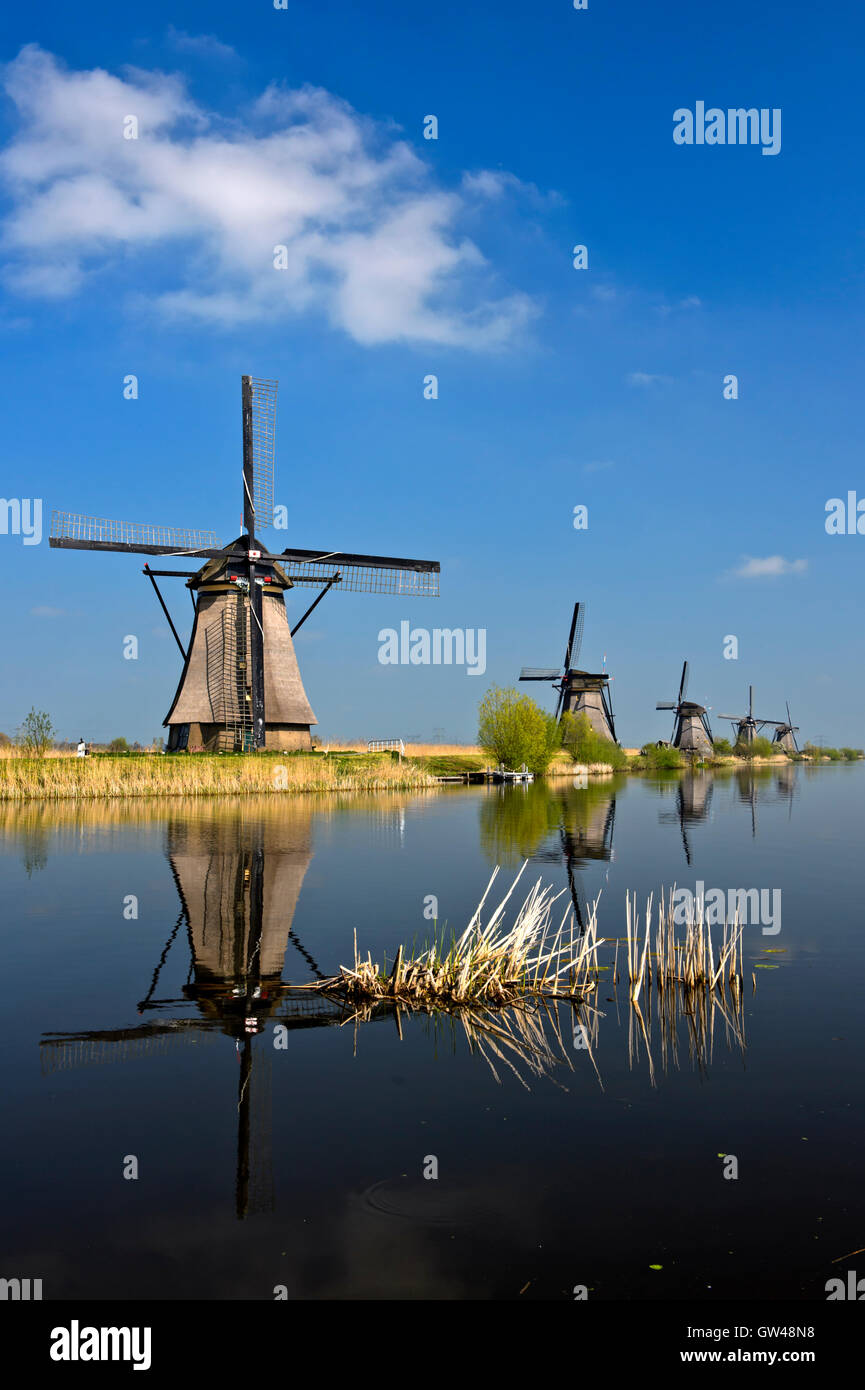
(380, 745)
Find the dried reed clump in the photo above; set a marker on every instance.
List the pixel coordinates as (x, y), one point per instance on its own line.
(487, 966)
(688, 961)
(493, 967)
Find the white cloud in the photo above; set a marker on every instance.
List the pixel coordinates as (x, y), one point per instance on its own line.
(692, 301)
(771, 567)
(201, 45)
(373, 243)
(494, 183)
(646, 379)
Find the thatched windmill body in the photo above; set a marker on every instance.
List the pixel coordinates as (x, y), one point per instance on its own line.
(580, 692)
(691, 731)
(240, 688)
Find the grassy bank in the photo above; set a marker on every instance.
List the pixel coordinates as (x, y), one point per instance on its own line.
(92, 778)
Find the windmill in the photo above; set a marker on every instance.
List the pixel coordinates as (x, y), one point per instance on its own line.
(240, 688)
(746, 726)
(785, 734)
(691, 731)
(580, 692)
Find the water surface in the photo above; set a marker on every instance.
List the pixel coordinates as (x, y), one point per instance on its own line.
(301, 1167)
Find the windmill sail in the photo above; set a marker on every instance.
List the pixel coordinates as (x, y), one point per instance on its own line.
(75, 531)
(263, 425)
(370, 574)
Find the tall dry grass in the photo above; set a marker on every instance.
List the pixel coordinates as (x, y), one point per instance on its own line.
(506, 985)
(23, 779)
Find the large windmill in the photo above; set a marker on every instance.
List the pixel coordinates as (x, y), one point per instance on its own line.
(580, 692)
(746, 725)
(240, 688)
(785, 734)
(691, 731)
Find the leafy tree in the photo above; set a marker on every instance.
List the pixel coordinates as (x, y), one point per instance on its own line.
(723, 747)
(118, 745)
(5, 741)
(584, 745)
(514, 730)
(850, 754)
(36, 734)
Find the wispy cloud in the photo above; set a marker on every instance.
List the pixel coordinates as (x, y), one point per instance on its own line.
(647, 379)
(495, 183)
(691, 301)
(44, 610)
(771, 567)
(374, 243)
(598, 466)
(200, 45)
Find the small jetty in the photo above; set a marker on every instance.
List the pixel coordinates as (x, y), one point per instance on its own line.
(489, 774)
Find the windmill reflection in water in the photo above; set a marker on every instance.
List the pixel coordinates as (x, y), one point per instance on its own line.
(238, 879)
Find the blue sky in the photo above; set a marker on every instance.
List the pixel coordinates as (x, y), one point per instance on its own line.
(557, 386)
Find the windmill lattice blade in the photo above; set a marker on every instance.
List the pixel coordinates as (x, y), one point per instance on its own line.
(538, 673)
(78, 532)
(789, 716)
(560, 699)
(263, 447)
(666, 704)
(370, 574)
(683, 686)
(575, 636)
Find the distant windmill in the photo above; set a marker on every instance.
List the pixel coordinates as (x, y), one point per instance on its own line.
(746, 726)
(240, 688)
(785, 734)
(691, 730)
(580, 692)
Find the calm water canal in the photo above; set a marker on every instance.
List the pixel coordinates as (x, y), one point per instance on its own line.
(140, 1037)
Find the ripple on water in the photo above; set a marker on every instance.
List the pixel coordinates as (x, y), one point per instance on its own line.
(421, 1201)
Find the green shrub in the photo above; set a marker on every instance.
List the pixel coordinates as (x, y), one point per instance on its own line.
(759, 747)
(851, 755)
(723, 747)
(513, 730)
(656, 759)
(584, 745)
